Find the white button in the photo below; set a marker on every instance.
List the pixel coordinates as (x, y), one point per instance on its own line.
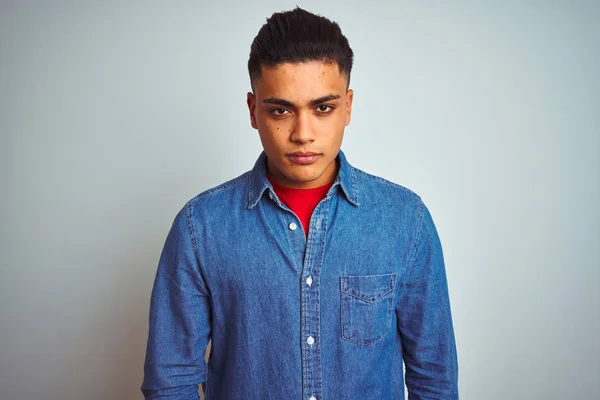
(292, 226)
(312, 398)
(310, 340)
(317, 224)
(309, 281)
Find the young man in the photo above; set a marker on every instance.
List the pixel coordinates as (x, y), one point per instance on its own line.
(313, 279)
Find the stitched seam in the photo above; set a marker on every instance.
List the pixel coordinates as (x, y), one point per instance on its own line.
(355, 184)
(192, 233)
(323, 216)
(342, 288)
(369, 301)
(367, 342)
(361, 276)
(222, 187)
(417, 238)
(385, 181)
(250, 189)
(298, 263)
(342, 310)
(389, 324)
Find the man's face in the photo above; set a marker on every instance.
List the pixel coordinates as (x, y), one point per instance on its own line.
(300, 111)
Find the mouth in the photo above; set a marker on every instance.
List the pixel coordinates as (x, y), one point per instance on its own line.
(303, 158)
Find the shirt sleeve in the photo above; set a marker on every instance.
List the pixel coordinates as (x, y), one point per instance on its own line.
(180, 319)
(425, 321)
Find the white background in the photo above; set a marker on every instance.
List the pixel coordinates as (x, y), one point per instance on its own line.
(114, 114)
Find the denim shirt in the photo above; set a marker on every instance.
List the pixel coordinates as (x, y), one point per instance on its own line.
(332, 316)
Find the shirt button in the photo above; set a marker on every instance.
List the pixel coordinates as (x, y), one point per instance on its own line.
(309, 281)
(292, 226)
(312, 398)
(310, 340)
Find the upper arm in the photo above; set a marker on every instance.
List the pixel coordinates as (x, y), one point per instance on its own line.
(180, 318)
(424, 317)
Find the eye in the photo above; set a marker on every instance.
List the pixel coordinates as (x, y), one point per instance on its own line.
(278, 111)
(324, 109)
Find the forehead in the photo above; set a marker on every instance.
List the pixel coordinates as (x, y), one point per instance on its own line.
(300, 81)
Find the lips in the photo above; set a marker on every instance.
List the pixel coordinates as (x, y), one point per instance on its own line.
(303, 158)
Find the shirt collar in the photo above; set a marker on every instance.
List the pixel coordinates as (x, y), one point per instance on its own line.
(346, 180)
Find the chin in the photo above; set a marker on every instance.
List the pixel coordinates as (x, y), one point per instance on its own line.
(305, 178)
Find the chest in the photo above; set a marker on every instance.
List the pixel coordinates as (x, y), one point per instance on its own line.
(264, 251)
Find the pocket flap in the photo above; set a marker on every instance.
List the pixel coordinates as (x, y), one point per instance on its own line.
(369, 288)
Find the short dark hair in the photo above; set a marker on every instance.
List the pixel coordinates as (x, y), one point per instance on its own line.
(299, 36)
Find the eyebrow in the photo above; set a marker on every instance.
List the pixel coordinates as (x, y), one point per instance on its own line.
(285, 103)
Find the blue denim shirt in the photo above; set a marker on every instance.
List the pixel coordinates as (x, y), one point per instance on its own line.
(330, 317)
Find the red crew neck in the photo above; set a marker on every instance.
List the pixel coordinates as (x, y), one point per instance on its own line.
(301, 201)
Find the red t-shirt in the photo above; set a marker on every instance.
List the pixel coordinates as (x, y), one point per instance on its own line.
(301, 201)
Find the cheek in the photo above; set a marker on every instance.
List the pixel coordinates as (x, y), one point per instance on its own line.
(278, 130)
(333, 125)
(271, 137)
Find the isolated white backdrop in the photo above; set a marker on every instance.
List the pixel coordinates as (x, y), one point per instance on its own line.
(114, 114)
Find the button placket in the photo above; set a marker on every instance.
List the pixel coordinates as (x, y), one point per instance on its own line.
(310, 293)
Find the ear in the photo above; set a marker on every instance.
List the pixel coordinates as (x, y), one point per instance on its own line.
(251, 100)
(349, 97)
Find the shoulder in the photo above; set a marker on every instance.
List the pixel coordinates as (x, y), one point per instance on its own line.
(400, 205)
(234, 190)
(383, 191)
(222, 189)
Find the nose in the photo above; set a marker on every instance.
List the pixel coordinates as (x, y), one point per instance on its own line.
(302, 131)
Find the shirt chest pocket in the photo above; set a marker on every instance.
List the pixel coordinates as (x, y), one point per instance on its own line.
(367, 306)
